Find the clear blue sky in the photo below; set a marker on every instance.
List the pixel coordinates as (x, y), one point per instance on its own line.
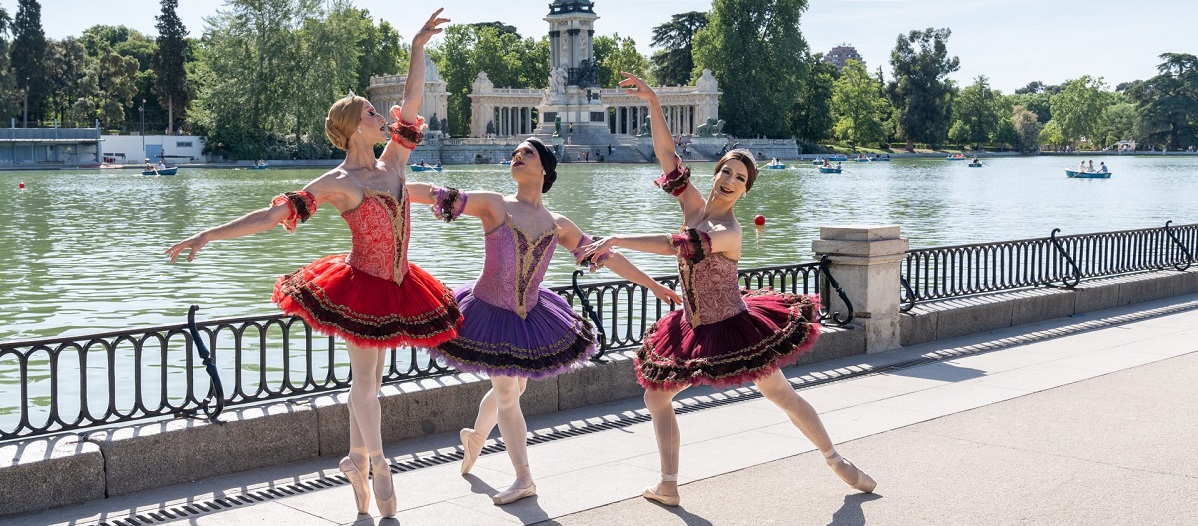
(1012, 42)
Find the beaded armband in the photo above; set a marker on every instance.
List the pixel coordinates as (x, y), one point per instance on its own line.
(692, 245)
(591, 262)
(449, 203)
(301, 204)
(676, 181)
(406, 134)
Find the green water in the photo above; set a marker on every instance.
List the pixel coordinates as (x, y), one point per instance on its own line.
(81, 251)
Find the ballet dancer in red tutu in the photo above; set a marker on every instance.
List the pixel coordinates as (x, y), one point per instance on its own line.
(373, 298)
(723, 336)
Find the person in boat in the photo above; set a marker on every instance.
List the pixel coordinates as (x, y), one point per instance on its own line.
(1081, 166)
(976, 160)
(774, 162)
(372, 298)
(149, 165)
(437, 165)
(514, 328)
(827, 163)
(722, 337)
(1102, 167)
(1090, 166)
(160, 165)
(838, 165)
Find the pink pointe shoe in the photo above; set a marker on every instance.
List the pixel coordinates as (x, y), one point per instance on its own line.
(513, 493)
(357, 480)
(472, 447)
(850, 474)
(386, 505)
(665, 500)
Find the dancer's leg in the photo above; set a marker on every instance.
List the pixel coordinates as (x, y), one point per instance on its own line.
(665, 426)
(515, 433)
(366, 365)
(778, 390)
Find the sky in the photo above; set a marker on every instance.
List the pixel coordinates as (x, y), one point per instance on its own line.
(1011, 42)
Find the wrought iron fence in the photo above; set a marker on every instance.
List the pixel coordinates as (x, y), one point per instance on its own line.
(78, 383)
(964, 270)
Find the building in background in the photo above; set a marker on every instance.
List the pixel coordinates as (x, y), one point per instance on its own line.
(842, 54)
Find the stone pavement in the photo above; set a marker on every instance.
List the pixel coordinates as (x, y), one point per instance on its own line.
(1081, 420)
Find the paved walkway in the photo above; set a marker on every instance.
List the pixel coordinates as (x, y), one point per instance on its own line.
(1083, 420)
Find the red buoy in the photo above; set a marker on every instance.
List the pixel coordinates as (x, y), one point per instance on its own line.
(759, 220)
(21, 185)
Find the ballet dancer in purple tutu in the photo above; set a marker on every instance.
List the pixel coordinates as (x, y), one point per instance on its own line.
(515, 329)
(723, 336)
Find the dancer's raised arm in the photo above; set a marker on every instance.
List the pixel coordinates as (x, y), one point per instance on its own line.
(408, 122)
(675, 179)
(573, 239)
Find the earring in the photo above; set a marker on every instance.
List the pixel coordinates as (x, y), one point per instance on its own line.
(359, 130)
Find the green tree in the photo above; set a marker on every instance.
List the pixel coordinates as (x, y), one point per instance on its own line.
(857, 100)
(170, 58)
(1027, 127)
(1052, 135)
(615, 54)
(756, 51)
(979, 110)
(1078, 108)
(920, 90)
(811, 116)
(8, 87)
(1118, 123)
(28, 55)
(66, 66)
(114, 78)
(674, 62)
(1168, 103)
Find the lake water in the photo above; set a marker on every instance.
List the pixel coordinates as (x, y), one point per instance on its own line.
(81, 251)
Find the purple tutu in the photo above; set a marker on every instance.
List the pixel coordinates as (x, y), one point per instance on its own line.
(550, 340)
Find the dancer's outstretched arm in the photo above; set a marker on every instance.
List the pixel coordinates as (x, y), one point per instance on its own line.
(286, 209)
(663, 145)
(571, 236)
(413, 93)
(719, 239)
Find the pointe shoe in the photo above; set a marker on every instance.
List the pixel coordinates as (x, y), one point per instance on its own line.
(472, 447)
(510, 495)
(861, 481)
(357, 480)
(387, 505)
(665, 500)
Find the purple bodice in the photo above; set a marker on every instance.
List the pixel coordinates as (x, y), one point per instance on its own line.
(514, 267)
(379, 227)
(710, 289)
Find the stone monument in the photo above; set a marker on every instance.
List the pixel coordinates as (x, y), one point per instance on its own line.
(573, 94)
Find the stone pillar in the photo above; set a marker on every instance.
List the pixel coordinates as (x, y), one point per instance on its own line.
(866, 261)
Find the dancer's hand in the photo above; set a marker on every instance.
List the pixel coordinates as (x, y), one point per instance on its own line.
(429, 29)
(637, 87)
(193, 243)
(596, 250)
(666, 294)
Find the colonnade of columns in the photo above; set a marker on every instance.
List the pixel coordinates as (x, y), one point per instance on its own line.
(513, 120)
(627, 120)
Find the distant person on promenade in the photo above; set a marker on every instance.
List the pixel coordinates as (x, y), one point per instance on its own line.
(722, 337)
(514, 328)
(372, 298)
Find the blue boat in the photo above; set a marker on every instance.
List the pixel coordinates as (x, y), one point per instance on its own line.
(880, 159)
(1087, 175)
(262, 166)
(816, 162)
(957, 157)
(826, 170)
(505, 163)
(975, 165)
(166, 171)
(776, 166)
(423, 168)
(862, 159)
(839, 157)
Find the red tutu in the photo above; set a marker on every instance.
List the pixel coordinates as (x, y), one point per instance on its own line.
(774, 330)
(339, 300)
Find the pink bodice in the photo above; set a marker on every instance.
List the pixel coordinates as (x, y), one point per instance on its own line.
(710, 289)
(380, 232)
(514, 267)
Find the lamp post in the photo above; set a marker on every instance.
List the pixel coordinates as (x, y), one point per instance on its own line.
(142, 110)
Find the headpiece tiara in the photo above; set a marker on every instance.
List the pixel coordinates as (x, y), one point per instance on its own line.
(746, 153)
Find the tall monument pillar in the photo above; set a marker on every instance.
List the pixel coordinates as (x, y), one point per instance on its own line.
(573, 94)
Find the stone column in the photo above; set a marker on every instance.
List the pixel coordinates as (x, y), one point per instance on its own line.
(866, 261)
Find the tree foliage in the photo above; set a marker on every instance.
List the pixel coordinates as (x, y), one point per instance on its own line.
(756, 51)
(615, 54)
(920, 90)
(674, 62)
(979, 110)
(1078, 108)
(1167, 104)
(857, 101)
(170, 57)
(1027, 128)
(811, 116)
(28, 55)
